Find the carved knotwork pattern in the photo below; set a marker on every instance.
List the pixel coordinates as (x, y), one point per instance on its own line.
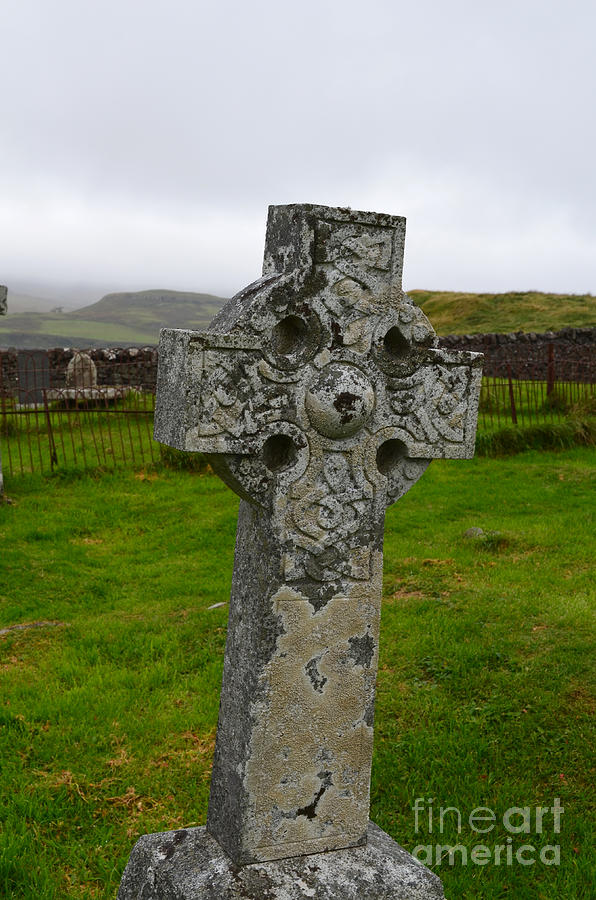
(432, 405)
(346, 312)
(326, 513)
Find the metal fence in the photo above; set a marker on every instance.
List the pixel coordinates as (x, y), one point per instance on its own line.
(90, 413)
(543, 396)
(60, 409)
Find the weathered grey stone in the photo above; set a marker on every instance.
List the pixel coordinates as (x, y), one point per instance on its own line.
(190, 864)
(34, 376)
(474, 532)
(81, 383)
(320, 397)
(81, 372)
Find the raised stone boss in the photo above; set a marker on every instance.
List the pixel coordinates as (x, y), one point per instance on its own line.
(320, 397)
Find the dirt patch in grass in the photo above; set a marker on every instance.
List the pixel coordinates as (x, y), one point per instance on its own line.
(582, 700)
(27, 625)
(405, 595)
(197, 751)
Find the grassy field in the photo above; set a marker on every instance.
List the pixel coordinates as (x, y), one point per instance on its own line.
(44, 331)
(452, 312)
(124, 319)
(486, 681)
(86, 437)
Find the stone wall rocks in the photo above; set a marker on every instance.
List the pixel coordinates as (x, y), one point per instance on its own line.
(528, 353)
(115, 366)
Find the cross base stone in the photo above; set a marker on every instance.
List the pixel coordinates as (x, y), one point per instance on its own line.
(190, 865)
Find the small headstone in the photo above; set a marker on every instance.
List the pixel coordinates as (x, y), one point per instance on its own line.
(34, 376)
(81, 372)
(320, 397)
(81, 384)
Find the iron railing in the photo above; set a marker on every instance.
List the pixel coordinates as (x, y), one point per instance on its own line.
(100, 413)
(59, 411)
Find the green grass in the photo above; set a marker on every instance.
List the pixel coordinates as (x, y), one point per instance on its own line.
(513, 439)
(46, 330)
(86, 436)
(485, 696)
(452, 312)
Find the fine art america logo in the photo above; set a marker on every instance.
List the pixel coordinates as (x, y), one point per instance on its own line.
(517, 820)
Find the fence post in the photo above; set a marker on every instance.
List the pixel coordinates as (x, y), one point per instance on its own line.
(52, 443)
(550, 374)
(2, 397)
(511, 396)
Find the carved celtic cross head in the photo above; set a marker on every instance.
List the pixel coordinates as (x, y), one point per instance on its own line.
(320, 396)
(323, 362)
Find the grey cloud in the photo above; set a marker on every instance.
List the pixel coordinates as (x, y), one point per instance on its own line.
(187, 112)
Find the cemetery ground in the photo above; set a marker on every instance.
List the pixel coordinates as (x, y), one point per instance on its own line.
(485, 691)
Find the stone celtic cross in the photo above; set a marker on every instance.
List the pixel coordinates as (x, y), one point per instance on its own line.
(320, 397)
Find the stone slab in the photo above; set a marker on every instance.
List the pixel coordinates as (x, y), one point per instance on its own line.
(94, 393)
(190, 865)
(34, 376)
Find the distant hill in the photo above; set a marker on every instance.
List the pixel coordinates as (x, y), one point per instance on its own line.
(155, 309)
(121, 319)
(20, 302)
(135, 318)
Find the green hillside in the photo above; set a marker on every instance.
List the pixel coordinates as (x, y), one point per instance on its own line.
(121, 319)
(135, 318)
(456, 313)
(155, 309)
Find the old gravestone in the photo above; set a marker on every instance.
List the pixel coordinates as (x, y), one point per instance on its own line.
(81, 372)
(3, 295)
(33, 368)
(81, 385)
(320, 397)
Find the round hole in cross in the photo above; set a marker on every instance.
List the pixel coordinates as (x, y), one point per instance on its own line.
(389, 455)
(288, 335)
(279, 452)
(395, 343)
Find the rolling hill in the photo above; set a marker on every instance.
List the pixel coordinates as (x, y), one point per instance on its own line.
(119, 319)
(135, 318)
(457, 313)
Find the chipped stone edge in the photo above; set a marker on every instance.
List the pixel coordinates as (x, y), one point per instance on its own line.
(189, 864)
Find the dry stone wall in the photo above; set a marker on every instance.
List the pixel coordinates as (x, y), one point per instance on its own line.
(529, 354)
(115, 366)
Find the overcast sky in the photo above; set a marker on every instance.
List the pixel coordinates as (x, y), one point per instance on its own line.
(141, 141)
